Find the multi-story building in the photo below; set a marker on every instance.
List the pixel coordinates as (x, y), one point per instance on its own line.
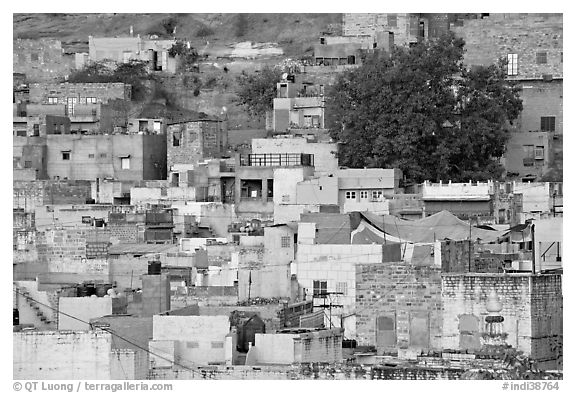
(532, 46)
(125, 49)
(121, 157)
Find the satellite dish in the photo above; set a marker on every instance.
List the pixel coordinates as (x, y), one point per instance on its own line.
(285, 76)
(224, 109)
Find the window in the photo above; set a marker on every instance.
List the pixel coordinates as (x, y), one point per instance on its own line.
(307, 345)
(528, 155)
(377, 195)
(66, 155)
(125, 162)
(320, 287)
(90, 155)
(103, 155)
(350, 194)
(192, 344)
(52, 100)
(91, 100)
(36, 130)
(392, 20)
(27, 164)
(34, 57)
(541, 58)
(285, 240)
(363, 194)
(217, 344)
(176, 135)
(512, 64)
(548, 123)
(539, 152)
(342, 287)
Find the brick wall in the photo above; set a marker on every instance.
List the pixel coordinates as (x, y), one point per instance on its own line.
(495, 37)
(31, 194)
(532, 311)
(409, 296)
(370, 24)
(40, 60)
(198, 140)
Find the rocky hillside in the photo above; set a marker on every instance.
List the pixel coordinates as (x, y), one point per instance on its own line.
(295, 33)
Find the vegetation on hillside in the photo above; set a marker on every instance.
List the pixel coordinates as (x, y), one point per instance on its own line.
(134, 73)
(256, 92)
(422, 111)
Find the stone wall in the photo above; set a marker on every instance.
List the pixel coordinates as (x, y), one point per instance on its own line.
(307, 371)
(30, 194)
(40, 59)
(197, 140)
(532, 311)
(547, 323)
(498, 35)
(398, 306)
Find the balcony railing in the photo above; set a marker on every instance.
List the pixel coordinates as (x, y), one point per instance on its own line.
(277, 159)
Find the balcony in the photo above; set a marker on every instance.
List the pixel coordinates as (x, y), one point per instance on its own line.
(277, 159)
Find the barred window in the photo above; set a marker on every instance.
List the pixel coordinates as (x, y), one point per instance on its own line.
(541, 58)
(548, 123)
(285, 240)
(512, 64)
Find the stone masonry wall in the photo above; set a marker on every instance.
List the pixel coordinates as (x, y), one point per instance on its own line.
(466, 295)
(40, 60)
(498, 35)
(401, 292)
(547, 324)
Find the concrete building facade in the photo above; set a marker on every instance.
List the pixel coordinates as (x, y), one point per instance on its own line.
(122, 157)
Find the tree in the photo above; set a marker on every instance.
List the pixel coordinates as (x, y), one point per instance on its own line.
(133, 73)
(419, 109)
(256, 92)
(188, 56)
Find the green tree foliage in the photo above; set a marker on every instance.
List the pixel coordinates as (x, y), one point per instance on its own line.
(133, 73)
(419, 109)
(256, 92)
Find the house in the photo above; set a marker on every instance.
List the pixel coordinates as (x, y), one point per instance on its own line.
(407, 28)
(124, 49)
(69, 355)
(91, 107)
(327, 273)
(191, 141)
(465, 200)
(298, 106)
(146, 126)
(41, 59)
(190, 339)
(121, 157)
(289, 346)
(325, 154)
(532, 45)
(352, 189)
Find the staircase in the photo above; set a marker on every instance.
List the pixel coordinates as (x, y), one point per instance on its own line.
(42, 322)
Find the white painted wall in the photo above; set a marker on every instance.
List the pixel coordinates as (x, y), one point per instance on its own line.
(62, 355)
(82, 308)
(197, 338)
(275, 348)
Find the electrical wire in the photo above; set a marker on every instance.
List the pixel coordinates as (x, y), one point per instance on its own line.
(112, 332)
